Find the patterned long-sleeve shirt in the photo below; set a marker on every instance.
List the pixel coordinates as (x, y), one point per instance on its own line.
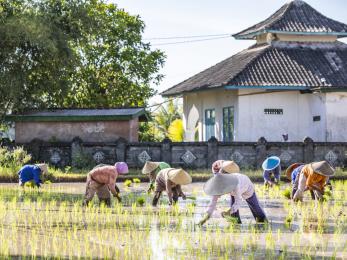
(244, 190)
(105, 175)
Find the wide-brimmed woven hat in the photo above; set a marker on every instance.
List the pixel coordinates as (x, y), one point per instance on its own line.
(43, 167)
(179, 176)
(230, 167)
(221, 184)
(291, 168)
(149, 167)
(322, 168)
(271, 163)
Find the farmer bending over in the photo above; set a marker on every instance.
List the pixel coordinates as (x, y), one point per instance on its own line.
(313, 177)
(152, 169)
(170, 180)
(101, 176)
(272, 171)
(103, 192)
(239, 187)
(32, 173)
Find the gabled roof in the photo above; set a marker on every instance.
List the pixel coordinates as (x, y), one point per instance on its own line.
(279, 65)
(296, 17)
(73, 115)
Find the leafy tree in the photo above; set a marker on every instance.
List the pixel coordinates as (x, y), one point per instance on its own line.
(73, 53)
(158, 128)
(176, 131)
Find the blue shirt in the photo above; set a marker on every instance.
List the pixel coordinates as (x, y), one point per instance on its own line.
(296, 172)
(30, 173)
(276, 172)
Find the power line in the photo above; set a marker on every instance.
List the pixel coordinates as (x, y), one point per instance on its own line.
(187, 37)
(190, 41)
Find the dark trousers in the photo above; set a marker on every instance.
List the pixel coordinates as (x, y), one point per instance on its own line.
(157, 194)
(253, 204)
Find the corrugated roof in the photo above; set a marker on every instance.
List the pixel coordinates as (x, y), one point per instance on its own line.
(79, 114)
(295, 17)
(289, 64)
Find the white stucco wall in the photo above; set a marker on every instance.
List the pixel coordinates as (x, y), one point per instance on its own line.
(251, 122)
(336, 111)
(213, 99)
(296, 121)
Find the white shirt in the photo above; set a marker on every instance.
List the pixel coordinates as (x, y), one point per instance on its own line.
(244, 190)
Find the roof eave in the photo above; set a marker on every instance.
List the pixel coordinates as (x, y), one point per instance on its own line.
(271, 87)
(250, 36)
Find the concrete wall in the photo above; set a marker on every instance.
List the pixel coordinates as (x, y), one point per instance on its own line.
(250, 121)
(214, 99)
(336, 114)
(102, 131)
(188, 155)
(266, 37)
(296, 121)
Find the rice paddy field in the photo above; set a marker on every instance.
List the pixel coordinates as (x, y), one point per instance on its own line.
(51, 223)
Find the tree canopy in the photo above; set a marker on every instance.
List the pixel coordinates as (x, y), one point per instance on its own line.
(73, 53)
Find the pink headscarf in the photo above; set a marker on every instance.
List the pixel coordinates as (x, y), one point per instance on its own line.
(122, 167)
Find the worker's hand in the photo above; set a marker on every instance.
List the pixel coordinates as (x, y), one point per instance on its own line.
(183, 196)
(316, 187)
(118, 198)
(226, 213)
(203, 221)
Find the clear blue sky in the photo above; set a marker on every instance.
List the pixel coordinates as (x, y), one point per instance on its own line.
(164, 18)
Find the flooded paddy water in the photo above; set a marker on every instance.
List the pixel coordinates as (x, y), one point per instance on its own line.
(52, 223)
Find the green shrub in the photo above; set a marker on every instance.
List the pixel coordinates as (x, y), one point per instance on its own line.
(128, 183)
(287, 193)
(140, 201)
(136, 180)
(14, 158)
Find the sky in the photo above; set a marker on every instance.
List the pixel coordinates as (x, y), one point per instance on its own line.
(177, 18)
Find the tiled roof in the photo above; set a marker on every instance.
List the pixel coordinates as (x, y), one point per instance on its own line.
(275, 65)
(296, 17)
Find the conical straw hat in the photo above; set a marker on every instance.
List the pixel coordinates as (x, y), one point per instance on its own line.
(179, 176)
(230, 167)
(291, 168)
(43, 167)
(271, 163)
(149, 167)
(221, 184)
(323, 168)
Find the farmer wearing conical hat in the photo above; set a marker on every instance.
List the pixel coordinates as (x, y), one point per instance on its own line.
(272, 169)
(152, 169)
(313, 177)
(101, 176)
(225, 167)
(292, 173)
(239, 187)
(170, 180)
(32, 173)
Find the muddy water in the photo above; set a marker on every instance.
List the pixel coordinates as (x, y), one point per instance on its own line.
(248, 239)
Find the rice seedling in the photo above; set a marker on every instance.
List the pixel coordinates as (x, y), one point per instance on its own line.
(51, 223)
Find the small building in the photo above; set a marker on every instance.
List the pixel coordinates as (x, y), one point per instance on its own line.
(91, 125)
(290, 84)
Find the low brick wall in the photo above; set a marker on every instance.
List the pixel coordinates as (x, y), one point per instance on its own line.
(194, 155)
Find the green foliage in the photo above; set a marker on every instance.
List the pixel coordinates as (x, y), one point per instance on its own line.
(136, 180)
(287, 193)
(176, 131)
(140, 201)
(82, 160)
(158, 128)
(128, 183)
(13, 158)
(73, 54)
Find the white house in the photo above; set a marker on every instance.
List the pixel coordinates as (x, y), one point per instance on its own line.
(292, 81)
